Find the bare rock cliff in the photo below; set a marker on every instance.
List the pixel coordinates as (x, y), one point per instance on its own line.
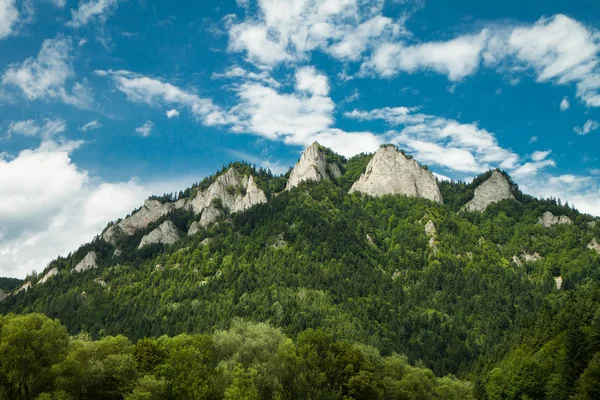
(49, 275)
(89, 261)
(166, 233)
(493, 190)
(235, 191)
(548, 219)
(150, 212)
(312, 166)
(391, 172)
(594, 245)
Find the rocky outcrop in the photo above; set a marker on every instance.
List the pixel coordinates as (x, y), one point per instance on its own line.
(559, 281)
(166, 233)
(23, 287)
(496, 188)
(151, 211)
(3, 296)
(209, 215)
(312, 166)
(431, 233)
(594, 245)
(548, 220)
(391, 172)
(49, 274)
(234, 191)
(90, 261)
(525, 257)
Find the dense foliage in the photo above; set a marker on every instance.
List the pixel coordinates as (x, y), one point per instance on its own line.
(318, 261)
(38, 360)
(10, 284)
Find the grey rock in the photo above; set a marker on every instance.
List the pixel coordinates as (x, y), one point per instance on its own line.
(3, 296)
(100, 282)
(526, 257)
(194, 228)
(431, 232)
(89, 261)
(24, 287)
(594, 245)
(391, 172)
(166, 233)
(151, 211)
(117, 253)
(559, 281)
(493, 190)
(236, 192)
(209, 215)
(548, 220)
(312, 167)
(49, 275)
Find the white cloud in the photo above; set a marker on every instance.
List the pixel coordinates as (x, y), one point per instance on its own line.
(145, 129)
(58, 3)
(441, 141)
(588, 127)
(141, 89)
(287, 30)
(82, 42)
(456, 58)
(533, 139)
(91, 10)
(172, 113)
(50, 128)
(240, 73)
(310, 81)
(45, 76)
(564, 104)
(49, 206)
(595, 171)
(540, 155)
(9, 17)
(91, 126)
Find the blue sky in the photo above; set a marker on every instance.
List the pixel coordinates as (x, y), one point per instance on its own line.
(104, 102)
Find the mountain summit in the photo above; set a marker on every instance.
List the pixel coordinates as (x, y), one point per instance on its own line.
(313, 166)
(392, 172)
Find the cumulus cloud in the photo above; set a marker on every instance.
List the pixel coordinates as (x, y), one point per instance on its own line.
(456, 58)
(153, 92)
(310, 81)
(46, 76)
(45, 130)
(145, 129)
(564, 104)
(90, 11)
(588, 127)
(49, 205)
(539, 161)
(287, 30)
(92, 125)
(440, 141)
(172, 113)
(9, 17)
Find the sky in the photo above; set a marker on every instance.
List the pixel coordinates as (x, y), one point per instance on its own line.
(105, 102)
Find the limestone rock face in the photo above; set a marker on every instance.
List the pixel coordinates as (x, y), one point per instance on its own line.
(235, 192)
(548, 219)
(23, 287)
(525, 257)
(166, 233)
(312, 166)
(151, 211)
(391, 172)
(3, 296)
(559, 282)
(431, 232)
(594, 245)
(89, 261)
(49, 275)
(493, 190)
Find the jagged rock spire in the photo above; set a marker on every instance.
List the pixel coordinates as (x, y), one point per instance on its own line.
(496, 188)
(313, 166)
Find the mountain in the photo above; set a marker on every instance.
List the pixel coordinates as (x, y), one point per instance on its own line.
(344, 280)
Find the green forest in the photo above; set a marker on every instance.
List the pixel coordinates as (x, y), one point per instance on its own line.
(321, 294)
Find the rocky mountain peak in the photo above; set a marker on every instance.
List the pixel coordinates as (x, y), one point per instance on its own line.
(166, 233)
(151, 211)
(496, 188)
(548, 219)
(391, 172)
(313, 166)
(89, 261)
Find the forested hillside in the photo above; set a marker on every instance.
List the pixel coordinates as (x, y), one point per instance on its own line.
(317, 293)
